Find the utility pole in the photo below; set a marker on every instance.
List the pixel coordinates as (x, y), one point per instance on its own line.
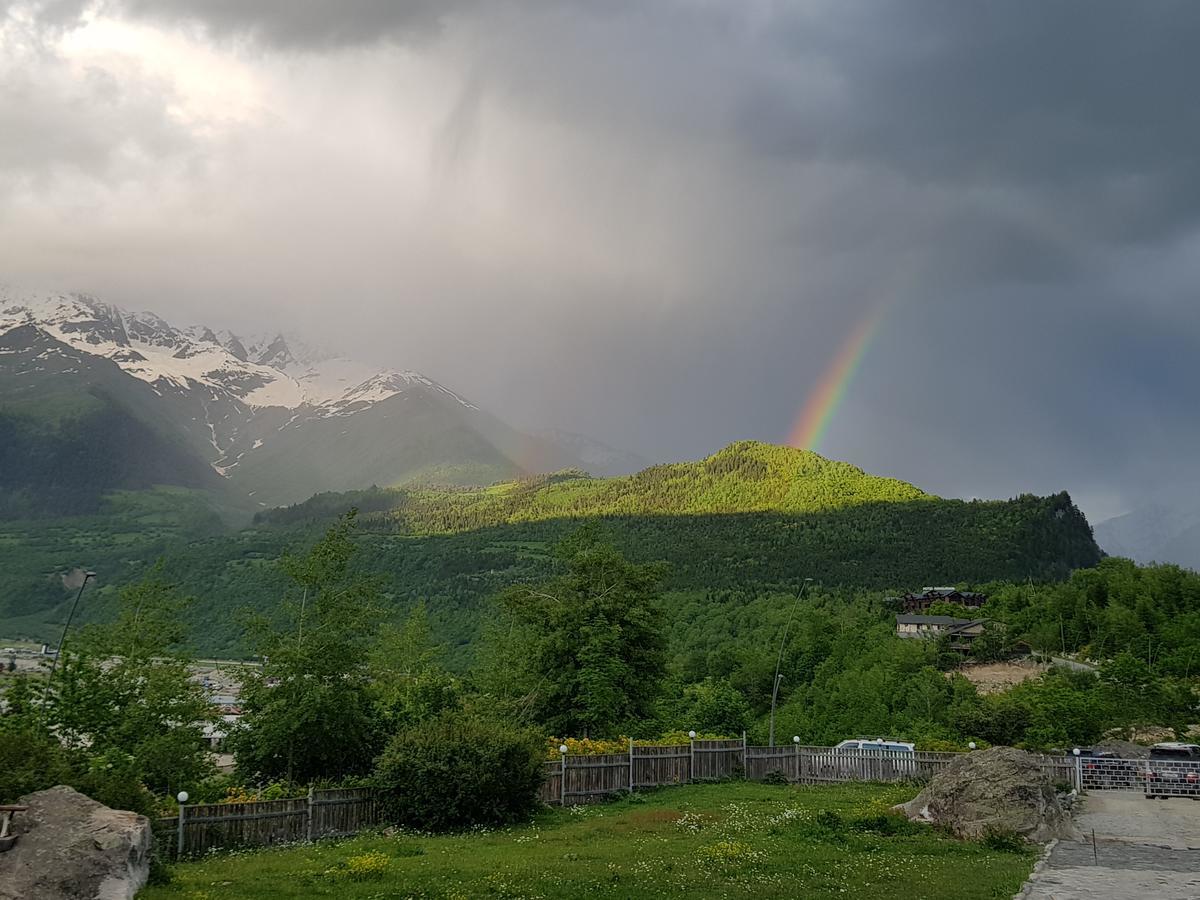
(779, 660)
(87, 576)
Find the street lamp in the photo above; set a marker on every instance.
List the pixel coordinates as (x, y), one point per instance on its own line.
(779, 660)
(87, 576)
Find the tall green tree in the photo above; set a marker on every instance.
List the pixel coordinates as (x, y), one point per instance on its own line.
(307, 712)
(408, 682)
(582, 653)
(124, 692)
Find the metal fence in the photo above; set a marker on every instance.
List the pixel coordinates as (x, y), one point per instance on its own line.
(576, 779)
(1154, 777)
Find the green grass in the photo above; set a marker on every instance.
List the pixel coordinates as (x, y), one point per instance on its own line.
(726, 840)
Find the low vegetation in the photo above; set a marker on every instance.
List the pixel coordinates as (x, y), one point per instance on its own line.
(731, 840)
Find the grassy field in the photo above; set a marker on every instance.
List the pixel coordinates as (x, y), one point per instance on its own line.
(724, 840)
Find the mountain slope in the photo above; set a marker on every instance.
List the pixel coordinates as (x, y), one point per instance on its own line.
(1164, 531)
(749, 520)
(272, 420)
(744, 477)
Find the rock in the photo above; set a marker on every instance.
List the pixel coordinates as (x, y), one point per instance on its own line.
(73, 848)
(1001, 787)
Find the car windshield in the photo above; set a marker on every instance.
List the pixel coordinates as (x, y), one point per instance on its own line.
(1171, 753)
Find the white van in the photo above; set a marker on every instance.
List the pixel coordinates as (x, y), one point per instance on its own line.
(876, 744)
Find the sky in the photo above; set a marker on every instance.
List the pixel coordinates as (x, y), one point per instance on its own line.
(657, 223)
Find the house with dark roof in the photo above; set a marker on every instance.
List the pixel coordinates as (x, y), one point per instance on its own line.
(913, 602)
(962, 632)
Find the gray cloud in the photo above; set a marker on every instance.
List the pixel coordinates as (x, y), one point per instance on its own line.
(656, 222)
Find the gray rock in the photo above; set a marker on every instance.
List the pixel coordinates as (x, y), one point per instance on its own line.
(1001, 787)
(73, 848)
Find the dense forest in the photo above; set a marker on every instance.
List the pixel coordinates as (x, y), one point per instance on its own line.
(797, 516)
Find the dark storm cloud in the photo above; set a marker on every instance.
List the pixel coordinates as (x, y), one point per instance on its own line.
(656, 221)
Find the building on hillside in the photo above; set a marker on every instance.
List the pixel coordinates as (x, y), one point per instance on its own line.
(920, 602)
(962, 632)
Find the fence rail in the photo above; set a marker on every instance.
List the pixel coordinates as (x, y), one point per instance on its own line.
(569, 780)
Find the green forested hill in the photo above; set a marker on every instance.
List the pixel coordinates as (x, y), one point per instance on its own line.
(749, 521)
(745, 477)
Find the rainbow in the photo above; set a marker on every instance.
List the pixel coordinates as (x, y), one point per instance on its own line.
(827, 396)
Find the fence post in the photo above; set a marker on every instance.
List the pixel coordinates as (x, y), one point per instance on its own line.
(631, 765)
(308, 818)
(1078, 772)
(179, 835)
(692, 757)
(562, 795)
(745, 762)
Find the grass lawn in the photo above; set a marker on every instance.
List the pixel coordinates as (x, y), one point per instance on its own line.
(727, 840)
(721, 840)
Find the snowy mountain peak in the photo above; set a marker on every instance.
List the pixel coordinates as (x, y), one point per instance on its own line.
(276, 371)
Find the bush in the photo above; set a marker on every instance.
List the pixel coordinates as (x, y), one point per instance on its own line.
(112, 778)
(884, 823)
(455, 771)
(1004, 839)
(775, 776)
(829, 821)
(31, 760)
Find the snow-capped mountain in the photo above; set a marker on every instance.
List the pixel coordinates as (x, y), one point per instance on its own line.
(275, 418)
(260, 372)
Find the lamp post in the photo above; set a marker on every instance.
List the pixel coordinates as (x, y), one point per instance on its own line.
(87, 576)
(779, 660)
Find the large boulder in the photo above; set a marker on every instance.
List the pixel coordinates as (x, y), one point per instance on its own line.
(72, 848)
(1001, 788)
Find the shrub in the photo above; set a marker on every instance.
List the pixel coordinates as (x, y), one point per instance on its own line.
(830, 821)
(113, 778)
(1004, 840)
(456, 771)
(775, 776)
(31, 761)
(884, 823)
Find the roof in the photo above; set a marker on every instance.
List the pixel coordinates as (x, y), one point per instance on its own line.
(903, 619)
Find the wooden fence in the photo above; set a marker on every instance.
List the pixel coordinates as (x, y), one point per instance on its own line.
(204, 827)
(569, 780)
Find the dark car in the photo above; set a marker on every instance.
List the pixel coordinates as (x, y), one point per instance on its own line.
(1103, 770)
(1173, 771)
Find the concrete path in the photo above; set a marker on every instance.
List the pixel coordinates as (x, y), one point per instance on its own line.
(1144, 850)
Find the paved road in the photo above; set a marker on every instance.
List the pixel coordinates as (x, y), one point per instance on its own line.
(1145, 850)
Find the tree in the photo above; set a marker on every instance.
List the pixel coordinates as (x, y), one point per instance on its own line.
(712, 706)
(307, 712)
(125, 690)
(582, 653)
(408, 681)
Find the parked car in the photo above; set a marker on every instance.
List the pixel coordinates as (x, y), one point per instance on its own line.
(1105, 770)
(876, 745)
(1173, 771)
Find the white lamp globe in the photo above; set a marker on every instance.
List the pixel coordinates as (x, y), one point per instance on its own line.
(971, 746)
(182, 796)
(562, 748)
(692, 735)
(1076, 751)
(795, 738)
